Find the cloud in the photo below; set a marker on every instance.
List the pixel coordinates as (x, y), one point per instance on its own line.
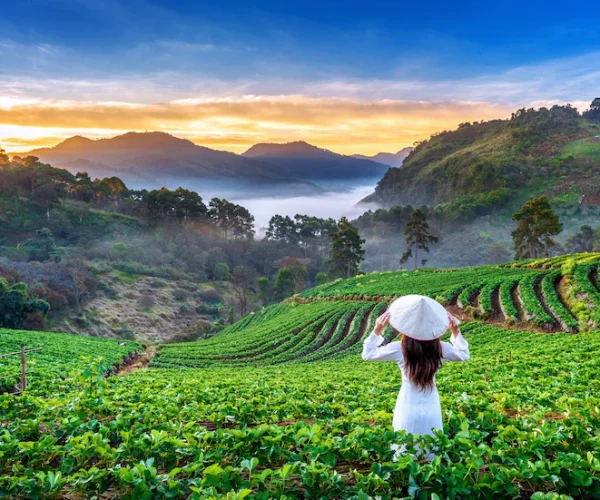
(236, 123)
(347, 115)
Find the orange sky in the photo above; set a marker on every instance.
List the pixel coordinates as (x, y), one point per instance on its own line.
(344, 125)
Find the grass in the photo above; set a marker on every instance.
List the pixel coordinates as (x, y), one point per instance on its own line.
(589, 147)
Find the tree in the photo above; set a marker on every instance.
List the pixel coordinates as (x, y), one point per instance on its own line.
(418, 237)
(282, 229)
(47, 196)
(112, 188)
(83, 187)
(583, 241)
(265, 290)
(321, 278)
(222, 271)
(15, 305)
(537, 224)
(233, 220)
(346, 250)
(290, 280)
(42, 248)
(189, 204)
(594, 112)
(243, 278)
(314, 232)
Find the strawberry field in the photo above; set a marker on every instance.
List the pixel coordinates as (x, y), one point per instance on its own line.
(281, 405)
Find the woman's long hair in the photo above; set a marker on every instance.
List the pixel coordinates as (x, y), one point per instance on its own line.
(422, 359)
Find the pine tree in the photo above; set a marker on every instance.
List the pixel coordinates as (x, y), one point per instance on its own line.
(418, 237)
(537, 224)
(346, 250)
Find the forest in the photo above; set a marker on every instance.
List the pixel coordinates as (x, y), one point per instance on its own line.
(70, 238)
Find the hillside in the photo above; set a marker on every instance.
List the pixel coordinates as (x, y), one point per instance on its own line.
(391, 159)
(549, 151)
(153, 159)
(242, 415)
(328, 321)
(300, 159)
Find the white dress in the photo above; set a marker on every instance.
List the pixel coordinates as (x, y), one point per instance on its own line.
(417, 411)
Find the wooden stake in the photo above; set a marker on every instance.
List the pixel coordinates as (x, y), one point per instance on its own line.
(487, 376)
(23, 368)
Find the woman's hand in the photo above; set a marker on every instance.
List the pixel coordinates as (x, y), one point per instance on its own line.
(381, 323)
(454, 325)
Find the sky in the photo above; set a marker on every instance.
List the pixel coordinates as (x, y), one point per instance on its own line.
(353, 77)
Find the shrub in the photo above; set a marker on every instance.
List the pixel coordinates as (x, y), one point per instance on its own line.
(222, 272)
(180, 295)
(211, 296)
(147, 301)
(158, 284)
(201, 329)
(57, 300)
(108, 290)
(185, 308)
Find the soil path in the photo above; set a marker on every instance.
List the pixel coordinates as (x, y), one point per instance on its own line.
(138, 362)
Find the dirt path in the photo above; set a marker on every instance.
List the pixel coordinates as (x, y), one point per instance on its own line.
(138, 362)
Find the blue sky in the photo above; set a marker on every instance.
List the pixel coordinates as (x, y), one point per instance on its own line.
(228, 74)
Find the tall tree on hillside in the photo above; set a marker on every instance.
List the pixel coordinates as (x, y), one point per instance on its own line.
(537, 224)
(418, 237)
(243, 279)
(282, 229)
(346, 250)
(189, 205)
(233, 220)
(112, 188)
(594, 112)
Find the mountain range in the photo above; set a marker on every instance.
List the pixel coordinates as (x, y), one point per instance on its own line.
(153, 159)
(391, 159)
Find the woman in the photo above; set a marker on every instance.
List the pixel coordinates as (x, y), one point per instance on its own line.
(421, 321)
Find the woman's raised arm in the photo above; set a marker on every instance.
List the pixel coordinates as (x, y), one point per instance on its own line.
(372, 351)
(458, 349)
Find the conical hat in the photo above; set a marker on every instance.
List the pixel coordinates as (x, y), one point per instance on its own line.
(419, 317)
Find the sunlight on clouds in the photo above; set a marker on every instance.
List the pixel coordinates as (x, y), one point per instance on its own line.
(344, 125)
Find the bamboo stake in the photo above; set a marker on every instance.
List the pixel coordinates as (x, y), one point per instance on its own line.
(23, 368)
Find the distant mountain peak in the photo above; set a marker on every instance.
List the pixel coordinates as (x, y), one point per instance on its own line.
(75, 141)
(391, 159)
(286, 149)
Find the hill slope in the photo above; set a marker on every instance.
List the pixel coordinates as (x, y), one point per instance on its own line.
(330, 320)
(158, 158)
(300, 159)
(531, 152)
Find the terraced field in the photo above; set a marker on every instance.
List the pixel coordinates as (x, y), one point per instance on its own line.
(330, 320)
(280, 405)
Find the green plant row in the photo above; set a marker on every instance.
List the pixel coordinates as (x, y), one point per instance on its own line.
(583, 286)
(467, 293)
(533, 308)
(554, 303)
(506, 300)
(485, 295)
